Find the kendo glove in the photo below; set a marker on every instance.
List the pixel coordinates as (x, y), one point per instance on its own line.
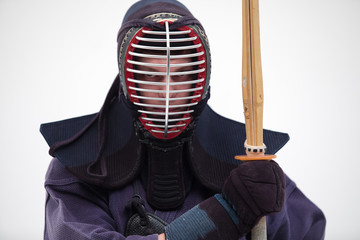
(253, 190)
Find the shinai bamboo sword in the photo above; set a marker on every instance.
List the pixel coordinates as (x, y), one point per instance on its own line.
(253, 97)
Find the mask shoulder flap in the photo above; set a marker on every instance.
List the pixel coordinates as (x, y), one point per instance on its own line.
(217, 141)
(119, 163)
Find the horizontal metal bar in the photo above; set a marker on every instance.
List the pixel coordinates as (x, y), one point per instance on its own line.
(164, 64)
(187, 72)
(146, 63)
(163, 126)
(163, 83)
(163, 120)
(146, 72)
(187, 64)
(163, 113)
(164, 40)
(187, 82)
(171, 131)
(164, 73)
(163, 99)
(190, 55)
(164, 33)
(165, 48)
(164, 91)
(163, 106)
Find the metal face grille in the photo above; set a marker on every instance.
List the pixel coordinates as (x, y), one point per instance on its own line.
(165, 74)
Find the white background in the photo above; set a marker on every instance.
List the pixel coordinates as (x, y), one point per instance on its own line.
(58, 60)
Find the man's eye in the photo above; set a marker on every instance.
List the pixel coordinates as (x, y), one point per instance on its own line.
(183, 77)
(149, 76)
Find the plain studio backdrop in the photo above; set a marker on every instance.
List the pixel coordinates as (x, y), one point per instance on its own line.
(58, 60)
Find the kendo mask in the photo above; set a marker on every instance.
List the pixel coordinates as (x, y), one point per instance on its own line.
(164, 71)
(164, 64)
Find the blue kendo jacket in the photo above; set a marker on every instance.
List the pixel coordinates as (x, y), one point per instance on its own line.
(80, 206)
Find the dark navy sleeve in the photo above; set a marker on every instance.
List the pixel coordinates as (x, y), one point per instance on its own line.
(300, 219)
(76, 210)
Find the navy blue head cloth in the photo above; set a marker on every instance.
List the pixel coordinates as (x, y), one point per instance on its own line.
(143, 3)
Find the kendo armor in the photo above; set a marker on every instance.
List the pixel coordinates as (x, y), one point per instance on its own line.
(132, 136)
